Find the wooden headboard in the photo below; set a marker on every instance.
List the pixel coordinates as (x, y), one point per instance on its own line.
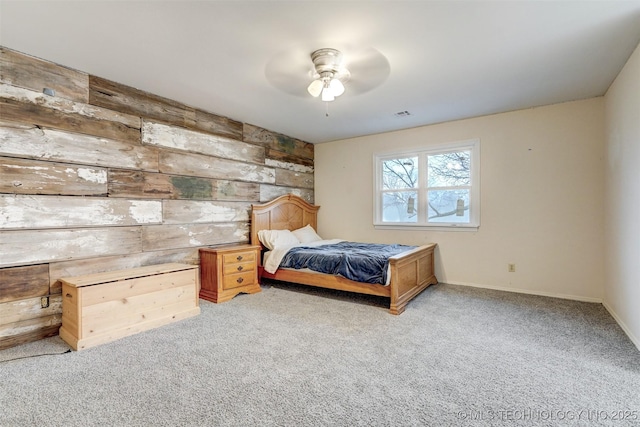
(288, 212)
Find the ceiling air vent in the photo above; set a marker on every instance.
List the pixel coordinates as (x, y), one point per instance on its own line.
(404, 113)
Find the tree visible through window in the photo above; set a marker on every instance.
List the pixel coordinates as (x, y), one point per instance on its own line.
(400, 184)
(432, 187)
(449, 186)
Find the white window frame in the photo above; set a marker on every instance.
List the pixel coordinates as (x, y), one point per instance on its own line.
(474, 195)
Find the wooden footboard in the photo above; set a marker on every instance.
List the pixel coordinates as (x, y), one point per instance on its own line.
(411, 273)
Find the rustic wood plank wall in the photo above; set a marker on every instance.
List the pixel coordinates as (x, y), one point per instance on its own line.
(104, 177)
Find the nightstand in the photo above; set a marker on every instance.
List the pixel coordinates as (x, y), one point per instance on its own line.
(227, 271)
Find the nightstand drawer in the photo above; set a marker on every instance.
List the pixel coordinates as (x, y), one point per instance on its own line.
(241, 279)
(249, 256)
(238, 267)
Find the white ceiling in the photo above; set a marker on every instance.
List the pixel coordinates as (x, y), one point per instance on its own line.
(448, 59)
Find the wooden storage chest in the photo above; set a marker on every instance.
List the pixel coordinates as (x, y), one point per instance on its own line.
(102, 307)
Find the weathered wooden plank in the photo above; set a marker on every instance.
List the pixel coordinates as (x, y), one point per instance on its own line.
(132, 183)
(270, 192)
(25, 112)
(29, 281)
(123, 98)
(26, 71)
(197, 142)
(189, 211)
(21, 211)
(119, 97)
(285, 161)
(127, 183)
(294, 179)
(23, 176)
(81, 267)
(30, 326)
(218, 125)
(158, 237)
(212, 167)
(67, 106)
(21, 247)
(234, 190)
(276, 141)
(29, 141)
(38, 334)
(26, 309)
(25, 320)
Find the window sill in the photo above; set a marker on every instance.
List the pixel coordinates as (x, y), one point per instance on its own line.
(422, 227)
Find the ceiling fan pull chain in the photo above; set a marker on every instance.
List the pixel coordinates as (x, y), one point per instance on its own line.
(326, 114)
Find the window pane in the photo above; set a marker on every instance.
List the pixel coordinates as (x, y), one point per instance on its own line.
(449, 169)
(400, 173)
(448, 206)
(400, 206)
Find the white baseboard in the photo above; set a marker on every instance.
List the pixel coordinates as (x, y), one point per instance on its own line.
(624, 327)
(529, 292)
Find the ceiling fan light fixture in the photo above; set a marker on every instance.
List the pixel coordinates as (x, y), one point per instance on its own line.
(315, 88)
(327, 94)
(336, 86)
(327, 69)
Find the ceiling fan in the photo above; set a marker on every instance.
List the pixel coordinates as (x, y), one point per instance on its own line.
(327, 72)
(330, 74)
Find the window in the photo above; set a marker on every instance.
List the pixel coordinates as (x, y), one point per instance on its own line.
(431, 187)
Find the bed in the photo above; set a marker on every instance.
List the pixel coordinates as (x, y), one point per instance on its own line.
(410, 272)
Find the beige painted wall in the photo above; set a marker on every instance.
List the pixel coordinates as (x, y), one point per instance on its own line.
(542, 192)
(622, 201)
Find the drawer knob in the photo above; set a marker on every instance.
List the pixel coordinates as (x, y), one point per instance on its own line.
(240, 280)
(240, 268)
(239, 257)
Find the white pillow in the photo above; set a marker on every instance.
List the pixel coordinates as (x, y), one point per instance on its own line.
(274, 238)
(306, 234)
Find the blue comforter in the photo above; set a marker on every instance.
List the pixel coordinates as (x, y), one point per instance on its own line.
(362, 262)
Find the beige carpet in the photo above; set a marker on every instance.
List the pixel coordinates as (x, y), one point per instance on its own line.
(291, 356)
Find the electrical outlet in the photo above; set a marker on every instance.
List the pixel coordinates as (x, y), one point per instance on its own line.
(44, 302)
(512, 268)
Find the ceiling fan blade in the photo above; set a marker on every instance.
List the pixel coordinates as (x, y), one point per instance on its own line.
(368, 68)
(291, 71)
